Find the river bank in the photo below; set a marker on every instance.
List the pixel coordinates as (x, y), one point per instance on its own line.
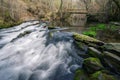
(37, 52)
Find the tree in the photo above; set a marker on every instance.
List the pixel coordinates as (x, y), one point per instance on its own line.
(60, 8)
(117, 2)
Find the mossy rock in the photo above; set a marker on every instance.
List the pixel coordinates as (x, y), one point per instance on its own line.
(112, 60)
(113, 47)
(80, 45)
(24, 33)
(93, 52)
(99, 75)
(21, 35)
(80, 75)
(88, 40)
(92, 65)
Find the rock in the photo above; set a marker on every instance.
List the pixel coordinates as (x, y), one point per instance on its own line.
(88, 40)
(80, 75)
(99, 75)
(93, 52)
(21, 35)
(92, 65)
(115, 23)
(113, 47)
(81, 45)
(51, 27)
(112, 56)
(112, 61)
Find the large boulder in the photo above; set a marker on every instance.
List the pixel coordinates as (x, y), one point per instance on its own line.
(80, 75)
(87, 40)
(113, 47)
(92, 65)
(112, 60)
(99, 75)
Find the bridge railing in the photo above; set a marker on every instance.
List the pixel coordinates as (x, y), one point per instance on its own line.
(80, 11)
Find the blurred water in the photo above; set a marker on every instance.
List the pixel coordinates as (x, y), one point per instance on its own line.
(37, 55)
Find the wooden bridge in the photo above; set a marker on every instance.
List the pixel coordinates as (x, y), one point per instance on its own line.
(80, 11)
(76, 11)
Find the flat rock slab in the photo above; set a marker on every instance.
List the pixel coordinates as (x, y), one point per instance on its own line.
(113, 46)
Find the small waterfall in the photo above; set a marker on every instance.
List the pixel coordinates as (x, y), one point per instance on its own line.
(78, 19)
(37, 55)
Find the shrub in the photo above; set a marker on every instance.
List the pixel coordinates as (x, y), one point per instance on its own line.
(90, 33)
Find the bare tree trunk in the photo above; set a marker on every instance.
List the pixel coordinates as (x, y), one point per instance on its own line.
(86, 4)
(61, 4)
(60, 8)
(117, 2)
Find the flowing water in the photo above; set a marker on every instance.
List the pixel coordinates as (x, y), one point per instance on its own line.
(30, 52)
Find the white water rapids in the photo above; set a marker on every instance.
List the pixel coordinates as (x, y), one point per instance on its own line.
(37, 56)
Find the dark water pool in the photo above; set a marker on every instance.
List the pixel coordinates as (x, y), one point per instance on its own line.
(103, 35)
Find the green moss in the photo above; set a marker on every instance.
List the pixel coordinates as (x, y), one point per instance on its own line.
(90, 33)
(101, 27)
(99, 75)
(86, 39)
(93, 28)
(98, 27)
(92, 64)
(80, 45)
(80, 75)
(93, 60)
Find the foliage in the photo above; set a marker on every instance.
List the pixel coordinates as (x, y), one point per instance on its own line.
(8, 24)
(101, 27)
(92, 32)
(92, 64)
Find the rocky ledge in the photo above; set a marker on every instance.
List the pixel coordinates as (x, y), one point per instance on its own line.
(101, 61)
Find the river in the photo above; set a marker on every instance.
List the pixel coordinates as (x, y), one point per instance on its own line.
(30, 51)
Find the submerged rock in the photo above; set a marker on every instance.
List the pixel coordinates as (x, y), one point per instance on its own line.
(21, 35)
(92, 65)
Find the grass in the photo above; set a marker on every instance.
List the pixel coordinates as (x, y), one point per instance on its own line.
(8, 24)
(92, 32)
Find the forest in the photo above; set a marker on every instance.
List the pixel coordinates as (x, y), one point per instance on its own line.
(59, 39)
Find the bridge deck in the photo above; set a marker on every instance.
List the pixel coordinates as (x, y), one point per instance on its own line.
(80, 11)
